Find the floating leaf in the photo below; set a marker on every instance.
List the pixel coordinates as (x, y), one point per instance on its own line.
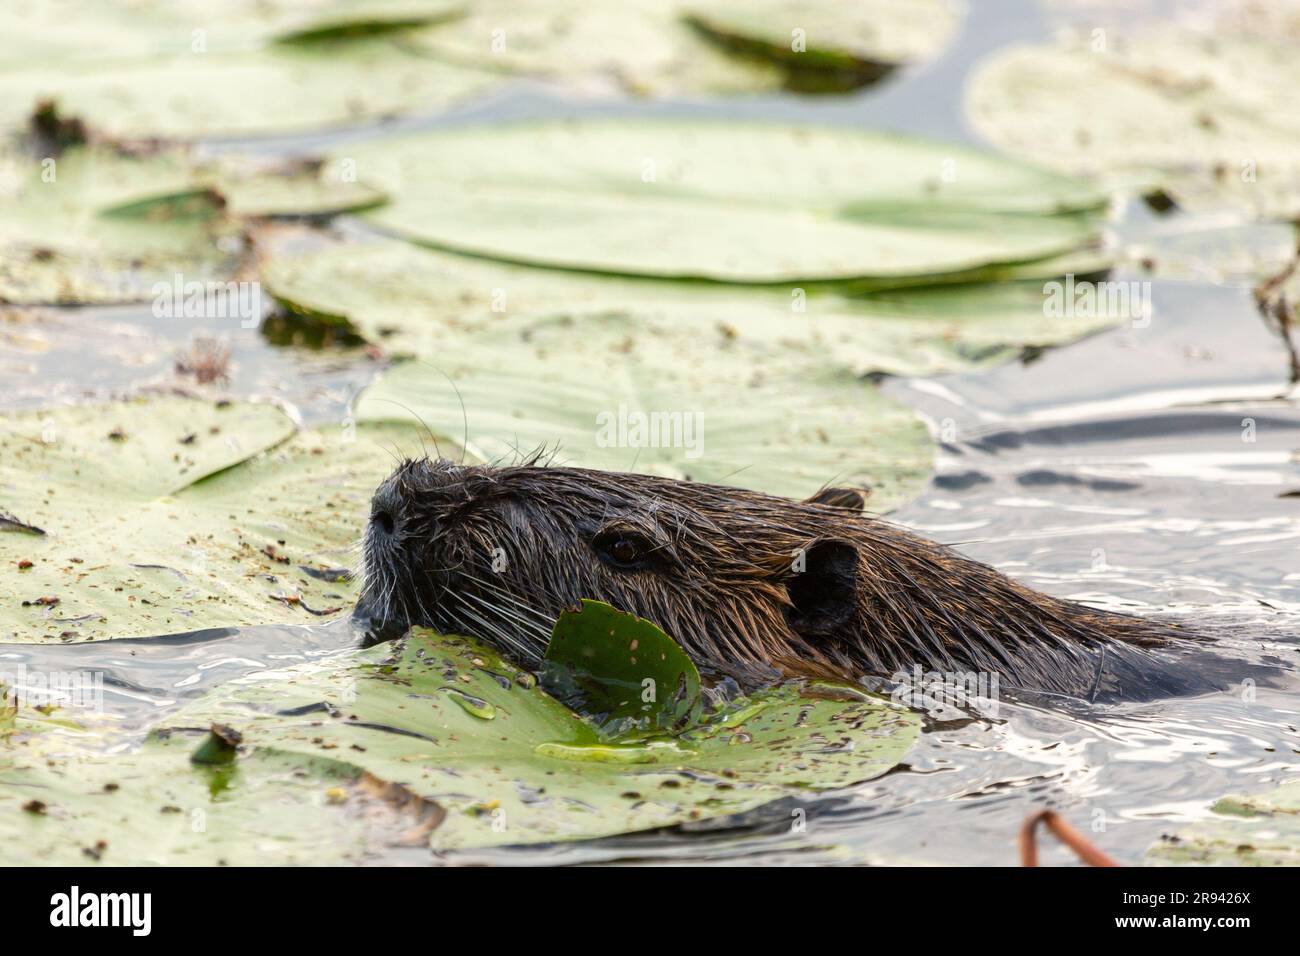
(1261, 830)
(1209, 118)
(65, 805)
(536, 773)
(98, 226)
(829, 45)
(426, 303)
(278, 89)
(290, 190)
(740, 202)
(655, 47)
(73, 30)
(173, 515)
(782, 434)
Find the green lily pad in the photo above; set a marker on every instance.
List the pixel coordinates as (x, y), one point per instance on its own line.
(646, 47)
(860, 41)
(173, 515)
(302, 189)
(1260, 830)
(785, 434)
(63, 804)
(621, 669)
(97, 226)
(75, 30)
(422, 302)
(533, 772)
(728, 201)
(281, 88)
(1208, 118)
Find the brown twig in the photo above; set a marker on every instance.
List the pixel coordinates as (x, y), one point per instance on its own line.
(1067, 834)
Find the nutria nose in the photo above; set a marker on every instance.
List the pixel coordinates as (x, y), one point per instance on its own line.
(384, 520)
(386, 512)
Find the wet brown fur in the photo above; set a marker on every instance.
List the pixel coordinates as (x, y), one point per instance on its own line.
(722, 576)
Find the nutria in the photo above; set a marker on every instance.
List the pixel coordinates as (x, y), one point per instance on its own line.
(749, 584)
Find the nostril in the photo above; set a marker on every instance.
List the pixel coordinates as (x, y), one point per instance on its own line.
(385, 521)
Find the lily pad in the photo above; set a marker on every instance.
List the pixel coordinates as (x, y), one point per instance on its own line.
(422, 302)
(282, 88)
(301, 189)
(1260, 830)
(652, 47)
(621, 669)
(533, 772)
(726, 201)
(63, 804)
(1206, 117)
(172, 515)
(786, 434)
(829, 45)
(72, 30)
(97, 226)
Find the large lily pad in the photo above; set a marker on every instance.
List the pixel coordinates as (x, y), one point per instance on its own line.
(740, 202)
(423, 302)
(172, 515)
(786, 434)
(657, 47)
(1210, 119)
(453, 722)
(1260, 830)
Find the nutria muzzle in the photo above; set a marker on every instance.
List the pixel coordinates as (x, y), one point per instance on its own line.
(752, 586)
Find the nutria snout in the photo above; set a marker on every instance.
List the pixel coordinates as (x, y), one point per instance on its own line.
(749, 584)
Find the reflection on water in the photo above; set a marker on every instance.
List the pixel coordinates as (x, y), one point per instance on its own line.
(1144, 469)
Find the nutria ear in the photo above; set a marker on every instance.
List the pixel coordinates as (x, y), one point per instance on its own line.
(854, 499)
(823, 587)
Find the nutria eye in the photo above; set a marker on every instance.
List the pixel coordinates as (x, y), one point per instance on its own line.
(621, 549)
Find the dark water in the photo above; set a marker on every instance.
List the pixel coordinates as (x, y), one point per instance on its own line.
(1145, 468)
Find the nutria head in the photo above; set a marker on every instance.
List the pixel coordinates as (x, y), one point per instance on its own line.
(749, 584)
